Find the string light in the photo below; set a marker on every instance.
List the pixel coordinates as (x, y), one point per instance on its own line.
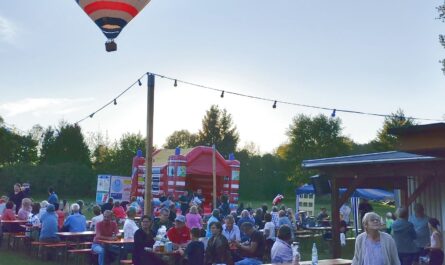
(275, 102)
(139, 82)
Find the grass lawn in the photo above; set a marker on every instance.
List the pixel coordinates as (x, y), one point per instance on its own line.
(8, 257)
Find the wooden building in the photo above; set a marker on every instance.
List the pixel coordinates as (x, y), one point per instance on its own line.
(419, 174)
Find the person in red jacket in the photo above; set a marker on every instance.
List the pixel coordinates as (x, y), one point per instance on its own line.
(180, 233)
(119, 212)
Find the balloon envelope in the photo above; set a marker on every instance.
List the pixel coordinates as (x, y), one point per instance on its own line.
(112, 15)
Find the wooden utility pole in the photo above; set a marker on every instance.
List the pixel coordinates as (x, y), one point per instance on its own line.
(149, 143)
(214, 175)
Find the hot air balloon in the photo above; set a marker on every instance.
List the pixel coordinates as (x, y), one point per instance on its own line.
(112, 16)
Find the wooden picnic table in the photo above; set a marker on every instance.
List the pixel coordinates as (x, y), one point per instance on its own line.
(120, 241)
(14, 221)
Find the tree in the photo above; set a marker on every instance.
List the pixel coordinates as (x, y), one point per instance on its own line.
(386, 141)
(182, 138)
(441, 10)
(218, 128)
(67, 144)
(16, 148)
(311, 138)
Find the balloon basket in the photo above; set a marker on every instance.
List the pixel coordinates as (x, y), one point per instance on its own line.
(110, 46)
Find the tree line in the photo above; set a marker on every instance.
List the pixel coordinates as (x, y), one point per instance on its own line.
(66, 158)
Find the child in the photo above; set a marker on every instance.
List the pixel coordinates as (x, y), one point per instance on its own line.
(194, 253)
(60, 216)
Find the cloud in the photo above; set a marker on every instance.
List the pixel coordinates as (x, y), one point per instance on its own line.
(43, 106)
(7, 30)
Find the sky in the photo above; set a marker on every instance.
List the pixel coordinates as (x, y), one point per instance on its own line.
(371, 56)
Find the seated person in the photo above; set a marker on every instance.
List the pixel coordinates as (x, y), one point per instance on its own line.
(194, 252)
(105, 230)
(119, 212)
(281, 250)
(49, 225)
(162, 221)
(107, 206)
(252, 252)
(323, 217)
(75, 222)
(25, 210)
(98, 216)
(179, 234)
(143, 238)
(230, 230)
(9, 215)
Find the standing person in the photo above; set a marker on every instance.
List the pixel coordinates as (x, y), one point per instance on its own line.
(184, 199)
(49, 225)
(389, 221)
(281, 250)
(218, 250)
(53, 198)
(193, 218)
(373, 246)
(404, 236)
(75, 222)
(60, 216)
(253, 252)
(364, 207)
(105, 230)
(420, 222)
(436, 246)
(275, 217)
(224, 208)
(17, 196)
(345, 210)
(194, 252)
(143, 238)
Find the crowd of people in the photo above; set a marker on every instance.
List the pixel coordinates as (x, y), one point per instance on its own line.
(242, 237)
(405, 241)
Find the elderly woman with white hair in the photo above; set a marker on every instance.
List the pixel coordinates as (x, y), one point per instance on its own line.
(75, 222)
(374, 247)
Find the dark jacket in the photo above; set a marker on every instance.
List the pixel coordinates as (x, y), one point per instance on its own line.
(404, 236)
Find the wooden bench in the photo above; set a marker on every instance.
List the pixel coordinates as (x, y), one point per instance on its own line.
(127, 262)
(79, 252)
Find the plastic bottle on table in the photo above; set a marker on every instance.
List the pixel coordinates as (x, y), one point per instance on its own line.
(295, 254)
(314, 255)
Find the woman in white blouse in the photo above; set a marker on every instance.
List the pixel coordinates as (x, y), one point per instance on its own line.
(436, 247)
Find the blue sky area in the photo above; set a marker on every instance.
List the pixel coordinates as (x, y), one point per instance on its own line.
(372, 56)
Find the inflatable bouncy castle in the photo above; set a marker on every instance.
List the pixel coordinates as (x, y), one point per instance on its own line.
(173, 173)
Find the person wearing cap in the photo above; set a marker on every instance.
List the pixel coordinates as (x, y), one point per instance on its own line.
(180, 233)
(49, 225)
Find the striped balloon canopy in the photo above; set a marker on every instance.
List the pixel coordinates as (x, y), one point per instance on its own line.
(112, 15)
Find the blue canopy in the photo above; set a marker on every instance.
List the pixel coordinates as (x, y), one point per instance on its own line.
(370, 194)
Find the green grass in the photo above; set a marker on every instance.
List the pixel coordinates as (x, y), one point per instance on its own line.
(8, 257)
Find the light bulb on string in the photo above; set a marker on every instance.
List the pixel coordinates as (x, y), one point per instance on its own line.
(176, 83)
(333, 113)
(274, 104)
(115, 102)
(91, 115)
(139, 82)
(222, 94)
